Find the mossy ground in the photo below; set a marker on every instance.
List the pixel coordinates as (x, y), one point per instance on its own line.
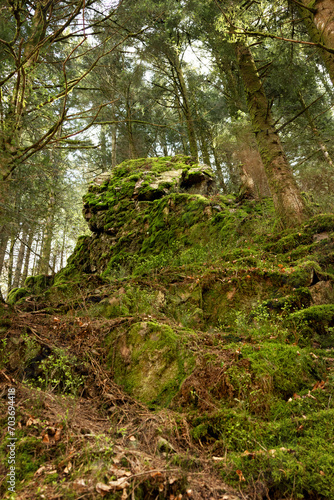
(205, 307)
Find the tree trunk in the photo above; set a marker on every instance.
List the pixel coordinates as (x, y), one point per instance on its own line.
(27, 256)
(202, 132)
(315, 131)
(103, 142)
(132, 146)
(11, 264)
(219, 172)
(184, 100)
(19, 262)
(287, 198)
(113, 144)
(35, 267)
(3, 247)
(47, 237)
(319, 21)
(183, 138)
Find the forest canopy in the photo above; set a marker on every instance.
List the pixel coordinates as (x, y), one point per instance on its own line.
(244, 87)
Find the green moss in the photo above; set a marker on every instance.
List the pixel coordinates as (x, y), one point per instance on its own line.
(38, 284)
(16, 294)
(289, 462)
(315, 322)
(150, 362)
(298, 299)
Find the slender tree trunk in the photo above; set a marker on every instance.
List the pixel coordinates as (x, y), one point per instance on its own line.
(183, 139)
(181, 86)
(319, 21)
(104, 150)
(217, 162)
(315, 131)
(234, 95)
(205, 149)
(27, 256)
(20, 259)
(11, 263)
(287, 198)
(47, 237)
(132, 146)
(203, 136)
(62, 251)
(163, 144)
(3, 247)
(113, 144)
(39, 238)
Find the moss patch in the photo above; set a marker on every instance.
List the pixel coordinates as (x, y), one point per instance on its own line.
(150, 362)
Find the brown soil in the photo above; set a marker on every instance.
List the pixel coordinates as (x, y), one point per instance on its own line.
(150, 453)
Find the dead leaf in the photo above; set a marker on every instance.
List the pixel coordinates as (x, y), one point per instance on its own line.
(156, 474)
(120, 472)
(103, 489)
(39, 471)
(58, 432)
(68, 468)
(120, 484)
(80, 485)
(32, 421)
(241, 476)
(45, 438)
(322, 473)
(318, 385)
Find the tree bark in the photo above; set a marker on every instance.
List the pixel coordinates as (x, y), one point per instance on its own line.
(132, 146)
(316, 132)
(113, 144)
(44, 265)
(19, 262)
(27, 256)
(287, 198)
(320, 25)
(3, 246)
(184, 100)
(11, 263)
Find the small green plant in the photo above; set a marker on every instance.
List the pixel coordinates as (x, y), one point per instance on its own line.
(4, 354)
(59, 373)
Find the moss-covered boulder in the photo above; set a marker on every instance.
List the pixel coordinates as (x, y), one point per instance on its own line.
(16, 294)
(150, 361)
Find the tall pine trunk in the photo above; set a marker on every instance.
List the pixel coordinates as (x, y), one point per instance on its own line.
(20, 258)
(44, 265)
(318, 16)
(316, 132)
(132, 145)
(184, 99)
(11, 262)
(27, 256)
(288, 202)
(3, 246)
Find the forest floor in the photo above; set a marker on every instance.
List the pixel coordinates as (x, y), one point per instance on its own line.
(194, 370)
(101, 442)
